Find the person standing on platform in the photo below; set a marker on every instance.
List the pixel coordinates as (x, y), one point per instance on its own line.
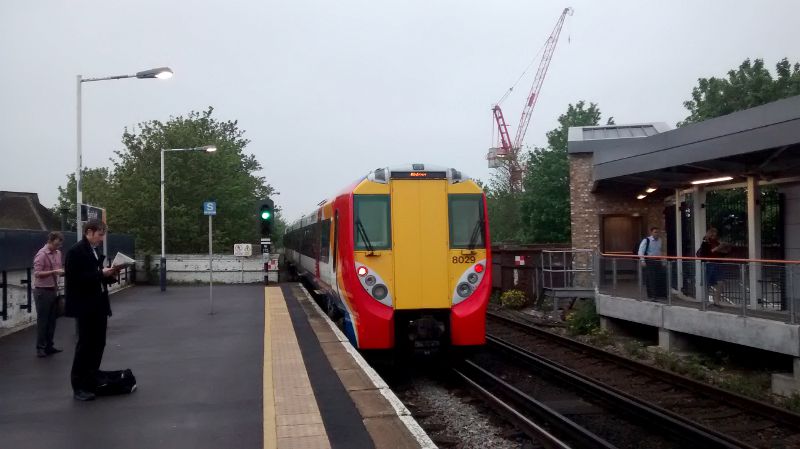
(654, 277)
(712, 248)
(46, 270)
(87, 300)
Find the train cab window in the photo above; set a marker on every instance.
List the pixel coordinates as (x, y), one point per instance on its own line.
(466, 221)
(372, 222)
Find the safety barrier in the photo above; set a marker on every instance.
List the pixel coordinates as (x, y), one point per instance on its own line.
(748, 287)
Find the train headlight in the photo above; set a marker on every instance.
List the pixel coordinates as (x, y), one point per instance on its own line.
(369, 280)
(473, 278)
(464, 290)
(362, 271)
(380, 292)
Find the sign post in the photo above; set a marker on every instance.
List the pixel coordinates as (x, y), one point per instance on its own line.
(210, 209)
(242, 250)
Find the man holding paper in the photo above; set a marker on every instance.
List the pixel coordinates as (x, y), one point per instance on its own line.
(86, 283)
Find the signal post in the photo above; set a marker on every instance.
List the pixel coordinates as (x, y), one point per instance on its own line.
(266, 216)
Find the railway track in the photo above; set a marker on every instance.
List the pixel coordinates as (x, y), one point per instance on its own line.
(733, 420)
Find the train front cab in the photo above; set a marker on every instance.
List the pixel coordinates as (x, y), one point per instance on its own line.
(427, 242)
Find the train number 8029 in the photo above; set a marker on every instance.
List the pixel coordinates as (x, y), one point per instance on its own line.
(463, 259)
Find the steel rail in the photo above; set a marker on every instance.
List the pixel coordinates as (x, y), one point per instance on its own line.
(562, 425)
(679, 427)
(764, 409)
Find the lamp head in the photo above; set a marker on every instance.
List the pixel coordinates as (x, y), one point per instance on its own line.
(162, 73)
(209, 148)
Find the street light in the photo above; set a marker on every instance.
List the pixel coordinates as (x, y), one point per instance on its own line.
(163, 267)
(160, 73)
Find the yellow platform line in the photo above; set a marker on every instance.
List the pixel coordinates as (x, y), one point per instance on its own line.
(270, 436)
(294, 418)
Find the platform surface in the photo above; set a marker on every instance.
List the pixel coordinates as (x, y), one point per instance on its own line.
(264, 371)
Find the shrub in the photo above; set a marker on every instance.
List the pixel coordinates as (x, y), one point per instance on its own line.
(600, 337)
(583, 319)
(513, 299)
(636, 349)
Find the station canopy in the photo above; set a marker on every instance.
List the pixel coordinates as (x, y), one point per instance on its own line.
(763, 141)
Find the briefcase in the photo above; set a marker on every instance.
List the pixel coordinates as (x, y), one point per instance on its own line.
(110, 383)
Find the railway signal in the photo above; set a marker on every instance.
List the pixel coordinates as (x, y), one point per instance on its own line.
(266, 216)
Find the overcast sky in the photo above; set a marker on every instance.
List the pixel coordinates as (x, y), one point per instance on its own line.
(328, 90)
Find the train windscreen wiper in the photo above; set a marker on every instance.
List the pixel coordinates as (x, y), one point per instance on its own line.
(473, 240)
(363, 233)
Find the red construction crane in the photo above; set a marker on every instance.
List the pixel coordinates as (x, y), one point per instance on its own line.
(509, 150)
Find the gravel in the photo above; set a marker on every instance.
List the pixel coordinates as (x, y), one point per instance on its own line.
(454, 418)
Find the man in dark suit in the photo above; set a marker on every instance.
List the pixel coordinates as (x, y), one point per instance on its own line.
(86, 283)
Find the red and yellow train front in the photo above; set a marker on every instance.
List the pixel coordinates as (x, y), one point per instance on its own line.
(418, 272)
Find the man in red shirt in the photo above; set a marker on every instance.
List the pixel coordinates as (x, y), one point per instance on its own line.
(47, 269)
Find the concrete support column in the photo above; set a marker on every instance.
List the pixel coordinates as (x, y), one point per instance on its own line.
(678, 237)
(671, 341)
(787, 384)
(699, 221)
(754, 237)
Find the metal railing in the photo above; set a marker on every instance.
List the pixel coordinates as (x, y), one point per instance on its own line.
(747, 287)
(567, 268)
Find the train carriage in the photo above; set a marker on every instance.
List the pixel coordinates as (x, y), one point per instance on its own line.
(402, 256)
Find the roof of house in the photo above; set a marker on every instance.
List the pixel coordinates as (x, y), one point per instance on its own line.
(22, 210)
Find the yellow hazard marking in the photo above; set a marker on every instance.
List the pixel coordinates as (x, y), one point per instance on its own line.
(270, 435)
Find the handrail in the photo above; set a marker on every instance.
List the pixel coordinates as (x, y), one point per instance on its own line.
(706, 259)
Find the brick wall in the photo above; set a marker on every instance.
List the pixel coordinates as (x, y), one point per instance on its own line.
(587, 208)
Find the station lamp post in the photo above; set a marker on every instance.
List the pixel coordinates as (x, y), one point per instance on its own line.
(163, 266)
(159, 73)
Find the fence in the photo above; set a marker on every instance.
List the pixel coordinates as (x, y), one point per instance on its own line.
(748, 287)
(17, 247)
(519, 267)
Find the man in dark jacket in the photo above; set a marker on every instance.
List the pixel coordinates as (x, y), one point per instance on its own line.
(87, 300)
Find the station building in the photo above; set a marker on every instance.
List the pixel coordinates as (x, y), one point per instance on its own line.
(739, 173)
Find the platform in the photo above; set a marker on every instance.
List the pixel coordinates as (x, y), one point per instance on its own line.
(265, 371)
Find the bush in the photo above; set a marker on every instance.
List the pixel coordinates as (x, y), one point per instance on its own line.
(513, 299)
(636, 349)
(583, 319)
(600, 337)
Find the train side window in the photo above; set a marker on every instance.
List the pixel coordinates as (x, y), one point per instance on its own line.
(467, 223)
(372, 222)
(335, 238)
(325, 244)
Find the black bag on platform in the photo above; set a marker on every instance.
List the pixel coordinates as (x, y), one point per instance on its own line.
(110, 383)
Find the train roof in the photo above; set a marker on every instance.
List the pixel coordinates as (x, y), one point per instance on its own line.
(385, 174)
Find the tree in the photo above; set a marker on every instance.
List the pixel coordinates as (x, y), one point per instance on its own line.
(226, 176)
(545, 203)
(503, 207)
(750, 85)
(97, 191)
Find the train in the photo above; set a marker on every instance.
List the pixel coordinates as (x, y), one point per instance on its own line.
(401, 258)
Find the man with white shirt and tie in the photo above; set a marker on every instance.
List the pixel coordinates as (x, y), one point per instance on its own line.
(86, 283)
(654, 276)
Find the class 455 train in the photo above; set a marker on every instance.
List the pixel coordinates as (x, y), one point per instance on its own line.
(401, 257)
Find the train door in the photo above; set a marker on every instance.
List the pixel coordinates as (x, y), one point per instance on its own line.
(420, 244)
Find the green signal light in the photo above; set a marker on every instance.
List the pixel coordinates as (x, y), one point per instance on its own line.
(265, 215)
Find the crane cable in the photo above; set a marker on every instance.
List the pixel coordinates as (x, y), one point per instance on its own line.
(533, 61)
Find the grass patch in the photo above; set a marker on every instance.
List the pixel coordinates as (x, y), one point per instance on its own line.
(600, 337)
(793, 403)
(754, 385)
(636, 349)
(690, 366)
(583, 319)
